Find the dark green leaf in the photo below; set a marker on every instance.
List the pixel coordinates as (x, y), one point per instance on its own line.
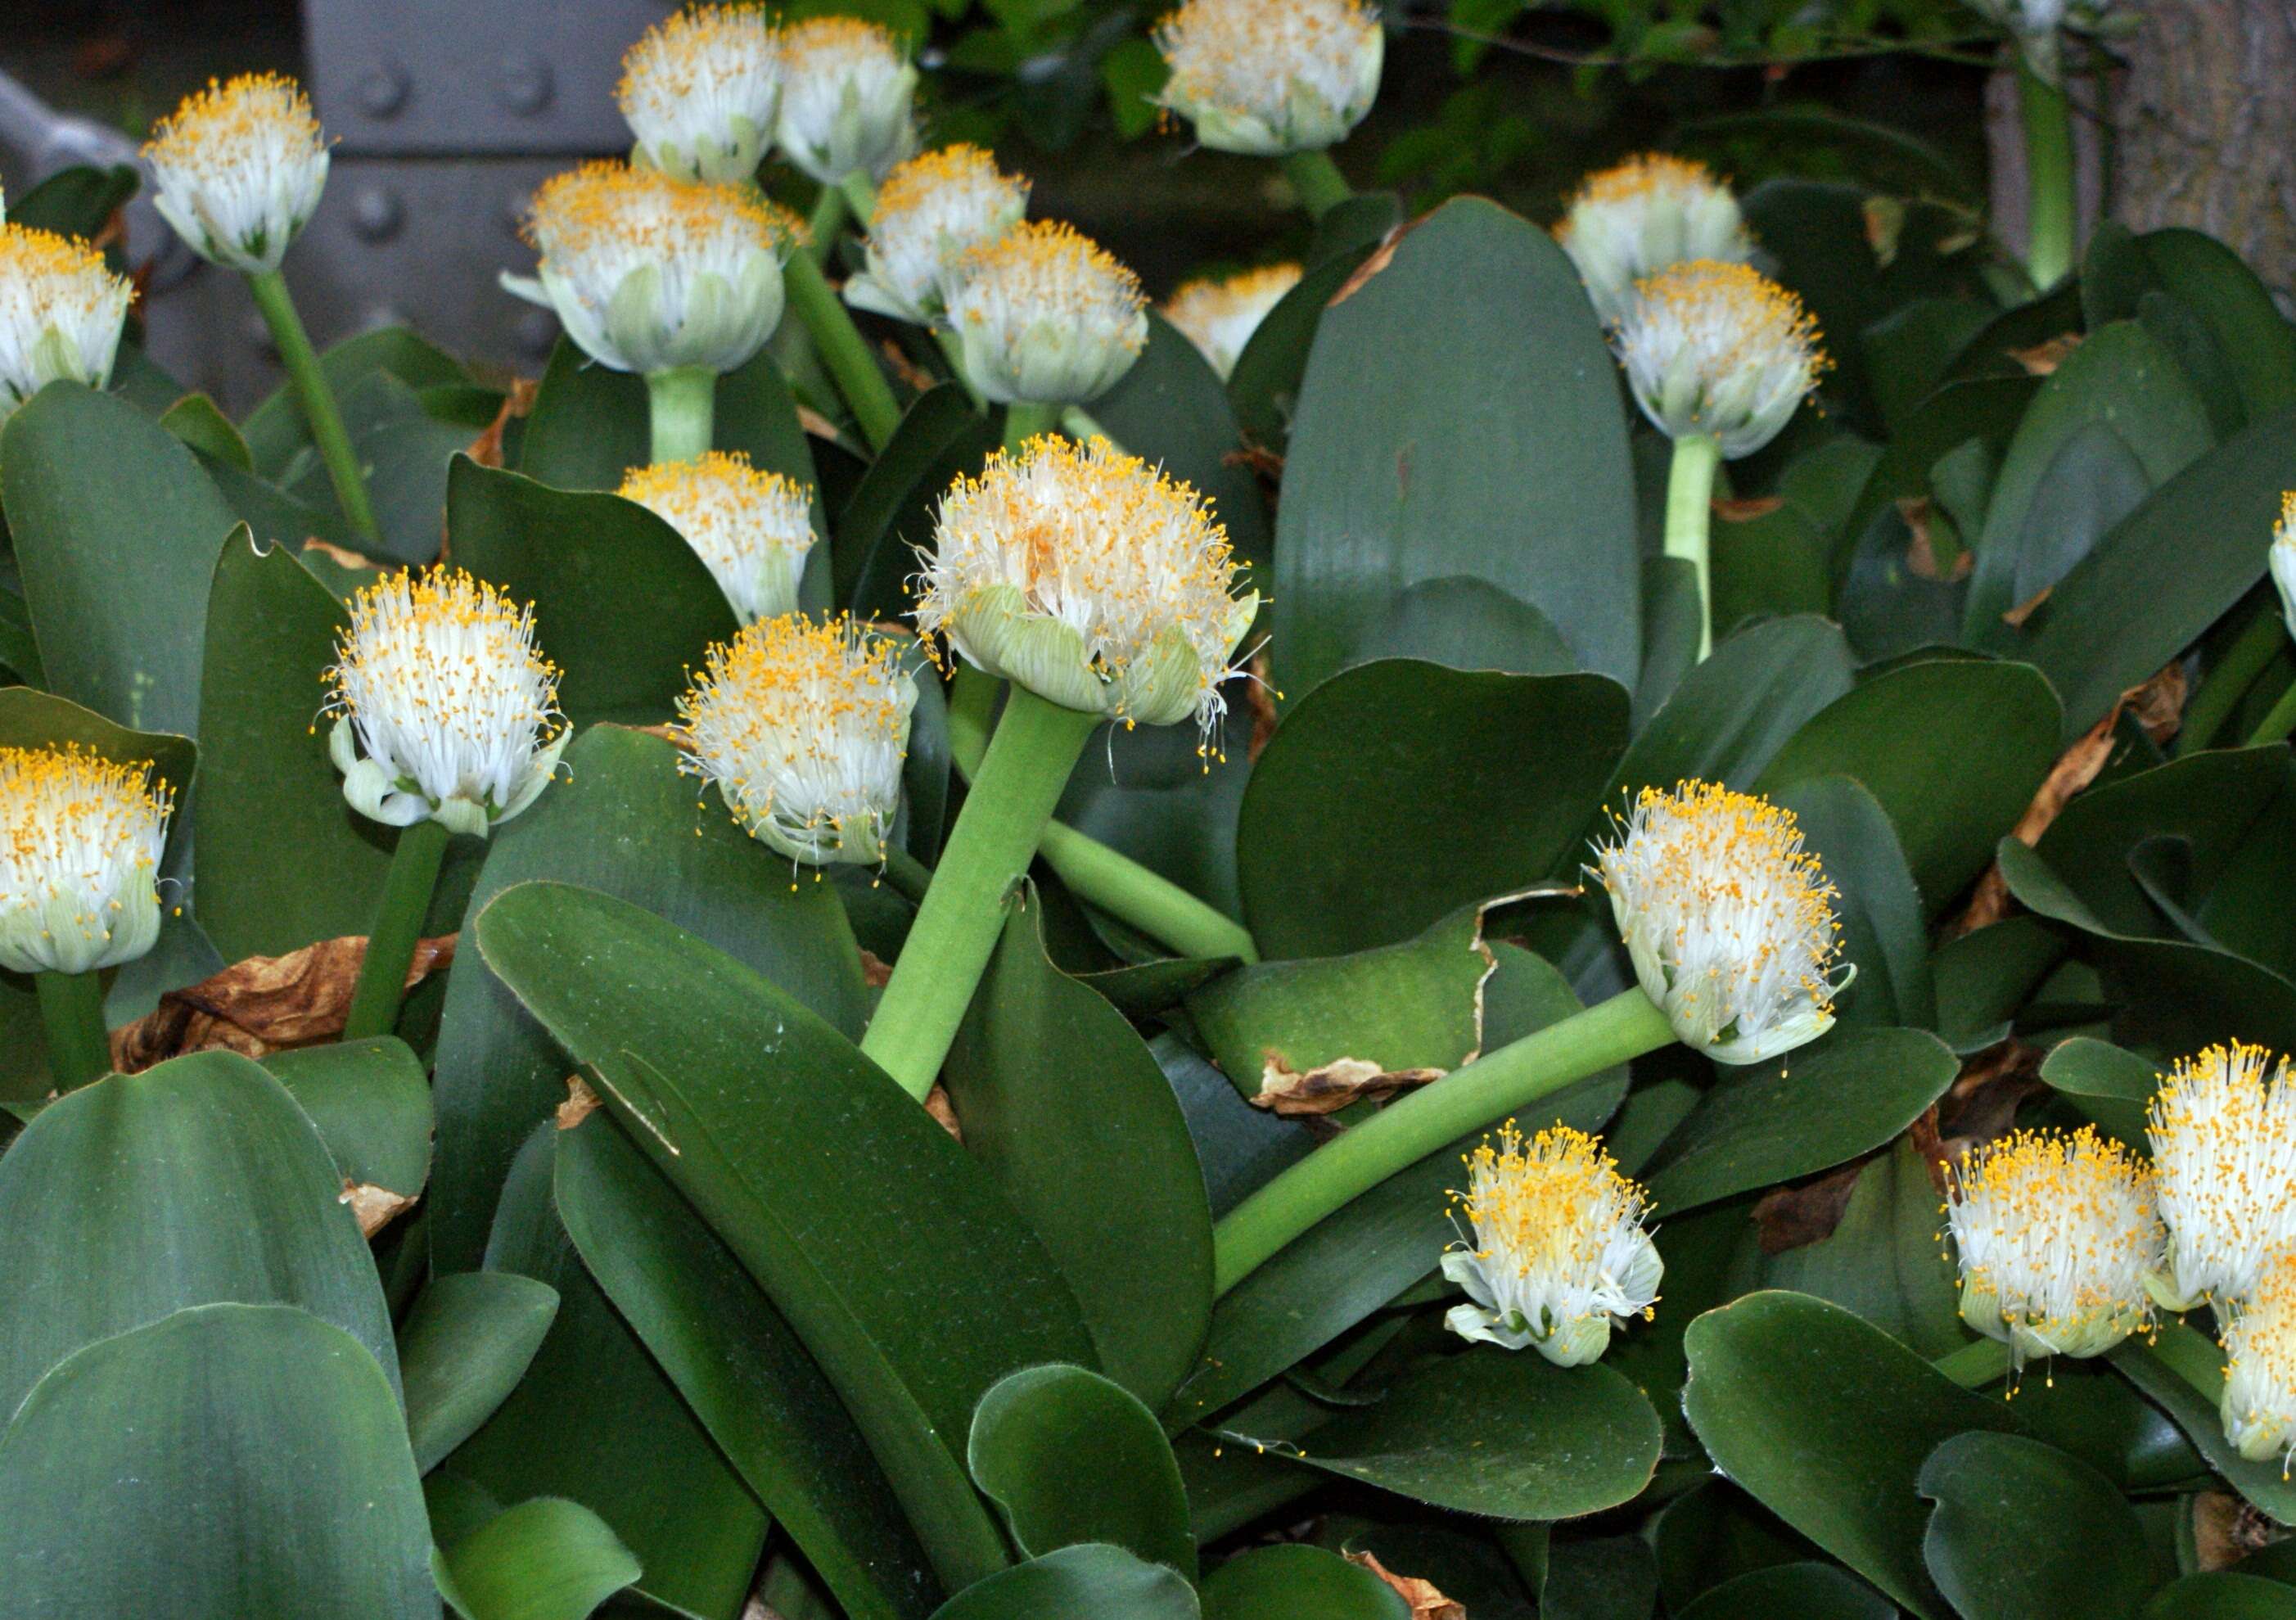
(196, 420)
(1878, 908)
(2111, 1087)
(2021, 1529)
(2223, 1595)
(589, 425)
(274, 430)
(1171, 410)
(1883, 1259)
(1264, 384)
(1077, 1583)
(1072, 1459)
(75, 202)
(468, 1341)
(1291, 1580)
(1733, 713)
(2255, 338)
(890, 513)
(371, 1100)
(2164, 1372)
(1806, 1591)
(544, 1559)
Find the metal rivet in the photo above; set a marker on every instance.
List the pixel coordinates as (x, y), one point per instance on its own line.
(376, 213)
(536, 332)
(378, 316)
(383, 89)
(523, 82)
(258, 334)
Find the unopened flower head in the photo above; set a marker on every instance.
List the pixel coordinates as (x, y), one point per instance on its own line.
(1558, 1253)
(1218, 316)
(846, 88)
(79, 859)
(699, 91)
(2053, 1233)
(1090, 579)
(2222, 1129)
(1648, 214)
(444, 710)
(61, 312)
(1269, 76)
(1718, 350)
(650, 274)
(803, 726)
(753, 529)
(2282, 558)
(930, 211)
(1046, 316)
(2258, 1408)
(1729, 920)
(240, 167)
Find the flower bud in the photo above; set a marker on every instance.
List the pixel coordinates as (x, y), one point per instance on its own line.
(1092, 580)
(2053, 1233)
(803, 726)
(2259, 1407)
(446, 711)
(846, 88)
(1729, 920)
(61, 312)
(1265, 78)
(79, 859)
(1558, 1253)
(1219, 316)
(2223, 1137)
(1044, 315)
(931, 210)
(752, 529)
(1649, 214)
(240, 167)
(2282, 559)
(699, 91)
(1721, 352)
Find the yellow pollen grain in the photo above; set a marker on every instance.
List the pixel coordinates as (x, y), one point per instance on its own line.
(915, 181)
(688, 51)
(835, 37)
(716, 476)
(214, 127)
(606, 201)
(1762, 316)
(1052, 259)
(59, 272)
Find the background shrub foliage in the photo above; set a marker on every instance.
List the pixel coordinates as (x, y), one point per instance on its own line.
(337, 1327)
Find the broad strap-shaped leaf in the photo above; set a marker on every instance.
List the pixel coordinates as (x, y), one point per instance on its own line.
(2022, 1528)
(1088, 1583)
(547, 1558)
(371, 1100)
(466, 1343)
(1291, 1578)
(1073, 1458)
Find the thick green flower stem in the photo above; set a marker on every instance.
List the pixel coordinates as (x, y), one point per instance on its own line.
(2277, 724)
(1689, 515)
(1976, 1364)
(318, 399)
(685, 408)
(2230, 677)
(2188, 1353)
(1321, 187)
(1024, 422)
(1482, 1093)
(2048, 176)
(390, 942)
(71, 1013)
(860, 196)
(1035, 747)
(843, 350)
(823, 226)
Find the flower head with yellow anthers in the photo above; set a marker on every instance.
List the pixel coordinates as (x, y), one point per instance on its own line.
(80, 839)
(1729, 920)
(803, 726)
(1092, 580)
(1718, 350)
(753, 529)
(699, 91)
(61, 312)
(1557, 1252)
(1269, 76)
(846, 88)
(240, 167)
(2052, 1233)
(1046, 316)
(650, 274)
(1648, 214)
(2258, 1408)
(444, 709)
(1219, 315)
(2222, 1129)
(930, 211)
(2282, 558)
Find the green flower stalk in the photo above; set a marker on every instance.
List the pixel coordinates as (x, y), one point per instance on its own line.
(240, 167)
(2281, 560)
(2051, 228)
(80, 841)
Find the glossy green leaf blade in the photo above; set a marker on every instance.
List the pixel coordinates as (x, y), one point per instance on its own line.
(1046, 1078)
(117, 531)
(275, 431)
(2224, 1594)
(2256, 341)
(194, 1182)
(1877, 903)
(2207, 803)
(2022, 1528)
(1883, 1259)
(1293, 1579)
(468, 1341)
(1460, 414)
(77, 201)
(31, 718)
(1171, 410)
(1264, 385)
(544, 1559)
(226, 1460)
(1400, 791)
(1733, 712)
(1827, 1421)
(2111, 1086)
(1806, 1591)
(371, 1100)
(1091, 1583)
(889, 512)
(2159, 1381)
(1072, 1459)
(589, 425)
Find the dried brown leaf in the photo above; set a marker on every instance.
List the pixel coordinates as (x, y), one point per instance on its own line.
(1921, 556)
(1259, 697)
(580, 1104)
(2016, 616)
(1746, 508)
(486, 449)
(813, 423)
(1885, 223)
(1426, 1602)
(342, 557)
(937, 1104)
(1379, 260)
(2043, 358)
(375, 1207)
(1331, 1087)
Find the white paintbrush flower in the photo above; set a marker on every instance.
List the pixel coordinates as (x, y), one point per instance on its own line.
(699, 91)
(2223, 1136)
(1721, 352)
(1046, 316)
(444, 709)
(240, 167)
(61, 312)
(2282, 559)
(1729, 920)
(846, 89)
(803, 726)
(2053, 1233)
(1558, 1254)
(1219, 315)
(1648, 214)
(651, 274)
(1269, 76)
(79, 859)
(2259, 1407)
(753, 529)
(930, 211)
(1092, 580)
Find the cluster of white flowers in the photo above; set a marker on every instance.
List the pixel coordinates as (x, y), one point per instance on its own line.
(1719, 351)
(699, 90)
(1646, 216)
(61, 314)
(1269, 76)
(752, 529)
(80, 838)
(239, 167)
